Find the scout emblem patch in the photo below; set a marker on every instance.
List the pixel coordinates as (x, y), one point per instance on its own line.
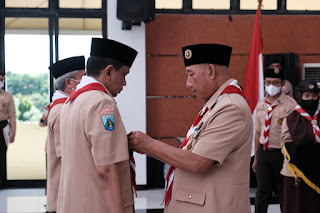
(280, 121)
(107, 118)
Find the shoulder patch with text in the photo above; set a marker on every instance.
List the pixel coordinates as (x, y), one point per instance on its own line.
(107, 118)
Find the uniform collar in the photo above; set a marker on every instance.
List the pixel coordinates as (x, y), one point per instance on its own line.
(216, 95)
(59, 94)
(85, 80)
(280, 99)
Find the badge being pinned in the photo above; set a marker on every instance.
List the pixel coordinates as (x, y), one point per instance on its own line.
(107, 118)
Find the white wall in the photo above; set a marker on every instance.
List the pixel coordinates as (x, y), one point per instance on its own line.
(132, 100)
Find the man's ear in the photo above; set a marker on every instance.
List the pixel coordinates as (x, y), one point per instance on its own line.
(212, 71)
(107, 72)
(67, 83)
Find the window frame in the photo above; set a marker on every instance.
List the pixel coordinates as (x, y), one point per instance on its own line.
(53, 13)
(235, 10)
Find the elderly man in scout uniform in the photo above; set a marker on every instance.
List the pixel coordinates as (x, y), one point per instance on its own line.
(95, 158)
(68, 73)
(7, 112)
(268, 158)
(210, 171)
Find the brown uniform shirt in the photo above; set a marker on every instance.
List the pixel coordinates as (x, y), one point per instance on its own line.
(285, 138)
(53, 150)
(225, 137)
(85, 145)
(6, 105)
(286, 105)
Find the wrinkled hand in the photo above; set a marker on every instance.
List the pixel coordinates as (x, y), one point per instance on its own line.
(139, 142)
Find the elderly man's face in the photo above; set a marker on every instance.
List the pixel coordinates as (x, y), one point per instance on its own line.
(199, 81)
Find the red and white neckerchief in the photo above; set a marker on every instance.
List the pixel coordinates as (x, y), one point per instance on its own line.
(267, 123)
(313, 121)
(87, 84)
(57, 98)
(133, 172)
(232, 88)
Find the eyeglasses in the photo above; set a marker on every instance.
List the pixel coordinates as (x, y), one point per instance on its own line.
(274, 83)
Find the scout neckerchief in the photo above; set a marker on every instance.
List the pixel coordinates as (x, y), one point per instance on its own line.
(313, 121)
(58, 98)
(193, 129)
(133, 172)
(88, 87)
(267, 123)
(87, 84)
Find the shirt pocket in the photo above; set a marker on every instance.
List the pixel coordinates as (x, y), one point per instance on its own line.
(4, 103)
(190, 197)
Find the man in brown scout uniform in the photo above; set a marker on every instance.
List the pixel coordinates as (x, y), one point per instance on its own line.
(268, 158)
(68, 73)
(210, 171)
(7, 112)
(95, 175)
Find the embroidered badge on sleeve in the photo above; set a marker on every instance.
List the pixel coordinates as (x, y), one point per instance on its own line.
(107, 119)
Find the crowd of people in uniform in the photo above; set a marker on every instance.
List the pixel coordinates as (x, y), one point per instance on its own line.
(90, 163)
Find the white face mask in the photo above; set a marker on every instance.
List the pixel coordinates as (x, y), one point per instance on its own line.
(272, 90)
(1, 84)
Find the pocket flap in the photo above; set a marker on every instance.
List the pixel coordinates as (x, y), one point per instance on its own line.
(127, 198)
(191, 197)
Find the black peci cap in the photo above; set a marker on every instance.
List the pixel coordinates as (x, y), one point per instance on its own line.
(273, 73)
(206, 53)
(308, 86)
(67, 65)
(112, 49)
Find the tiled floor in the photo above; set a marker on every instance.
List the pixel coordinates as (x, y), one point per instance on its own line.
(33, 200)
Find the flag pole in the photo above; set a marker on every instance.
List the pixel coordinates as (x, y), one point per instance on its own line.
(260, 19)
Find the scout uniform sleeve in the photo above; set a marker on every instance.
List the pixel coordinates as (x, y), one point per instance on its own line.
(222, 135)
(56, 131)
(257, 122)
(11, 107)
(285, 133)
(105, 132)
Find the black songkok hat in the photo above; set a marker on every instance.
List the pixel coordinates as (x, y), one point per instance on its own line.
(307, 86)
(112, 49)
(67, 65)
(273, 73)
(206, 54)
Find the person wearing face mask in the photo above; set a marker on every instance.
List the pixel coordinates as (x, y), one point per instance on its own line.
(67, 73)
(95, 172)
(301, 149)
(276, 62)
(268, 157)
(7, 113)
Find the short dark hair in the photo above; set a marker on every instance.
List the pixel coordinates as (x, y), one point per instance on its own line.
(2, 72)
(96, 64)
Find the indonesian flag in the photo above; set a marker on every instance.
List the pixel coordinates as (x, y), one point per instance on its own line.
(253, 89)
(253, 85)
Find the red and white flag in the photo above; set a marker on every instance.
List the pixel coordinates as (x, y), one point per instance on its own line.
(253, 85)
(253, 89)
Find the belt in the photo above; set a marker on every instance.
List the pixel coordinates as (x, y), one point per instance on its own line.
(271, 149)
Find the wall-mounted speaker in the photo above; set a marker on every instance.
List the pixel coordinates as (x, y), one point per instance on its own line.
(134, 12)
